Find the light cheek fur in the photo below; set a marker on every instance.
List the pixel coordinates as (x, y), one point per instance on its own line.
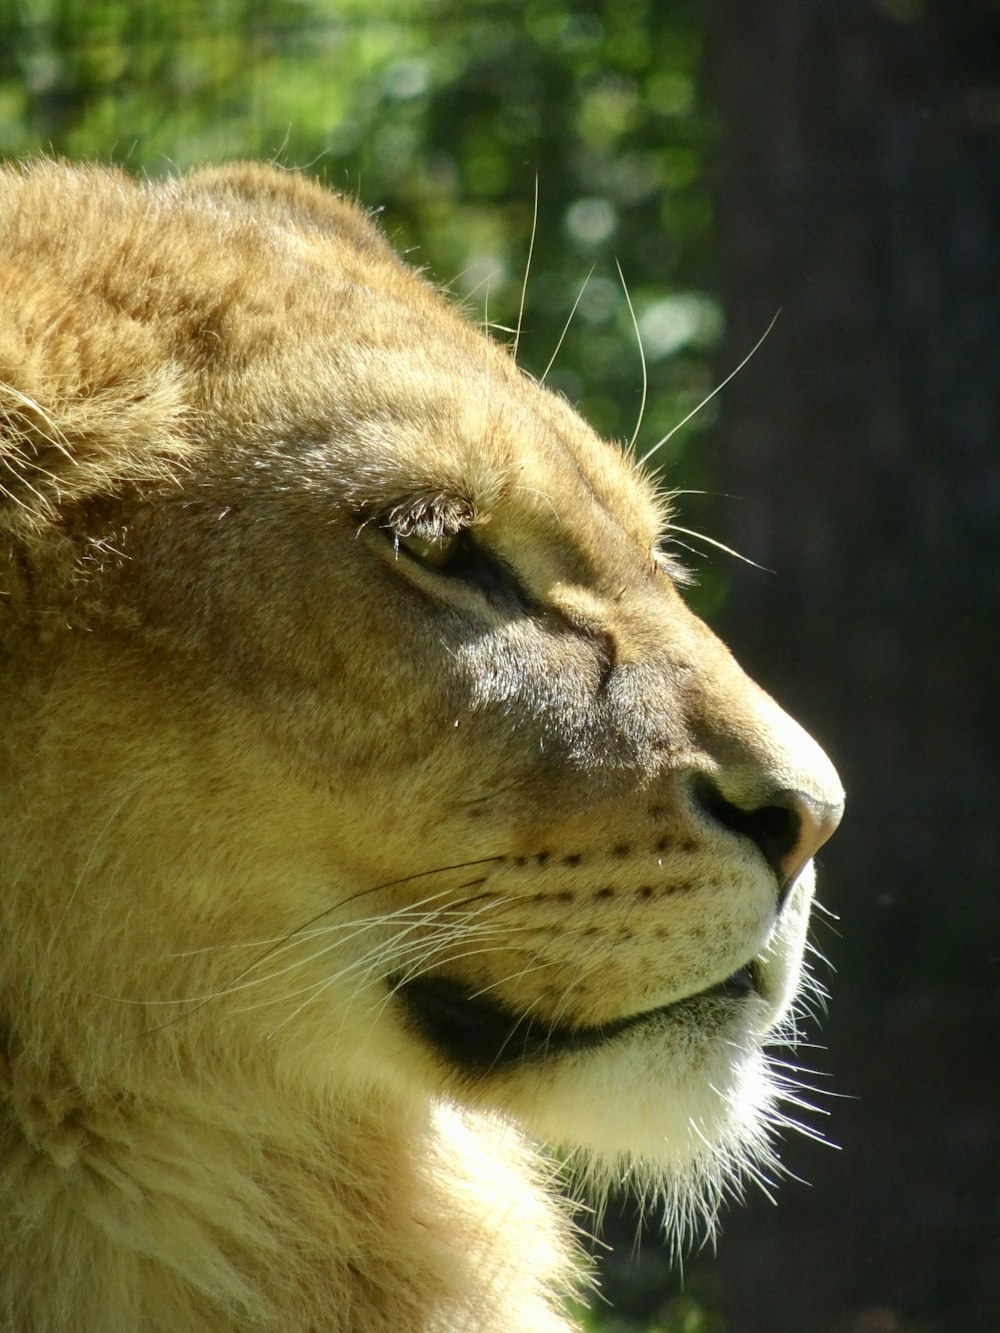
(328, 872)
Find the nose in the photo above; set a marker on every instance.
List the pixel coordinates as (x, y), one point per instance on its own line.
(789, 828)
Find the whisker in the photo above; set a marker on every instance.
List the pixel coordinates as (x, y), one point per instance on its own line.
(422, 965)
(356, 929)
(684, 546)
(443, 933)
(533, 490)
(708, 397)
(483, 282)
(386, 952)
(527, 270)
(378, 888)
(833, 916)
(198, 1004)
(642, 358)
(789, 1122)
(432, 955)
(789, 1093)
(721, 546)
(566, 326)
(794, 1069)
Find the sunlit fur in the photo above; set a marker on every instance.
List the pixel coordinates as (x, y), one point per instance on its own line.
(264, 761)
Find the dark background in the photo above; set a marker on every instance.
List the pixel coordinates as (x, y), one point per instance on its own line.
(859, 187)
(836, 159)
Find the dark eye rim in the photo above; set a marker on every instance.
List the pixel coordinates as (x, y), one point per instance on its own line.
(467, 562)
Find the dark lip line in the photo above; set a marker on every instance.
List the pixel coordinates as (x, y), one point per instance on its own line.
(480, 1035)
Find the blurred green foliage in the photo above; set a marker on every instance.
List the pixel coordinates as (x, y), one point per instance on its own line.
(690, 1311)
(453, 117)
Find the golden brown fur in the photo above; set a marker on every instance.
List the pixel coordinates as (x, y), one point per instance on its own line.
(361, 774)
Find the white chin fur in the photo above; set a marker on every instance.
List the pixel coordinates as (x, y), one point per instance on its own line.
(685, 1115)
(670, 1093)
(689, 1084)
(685, 1105)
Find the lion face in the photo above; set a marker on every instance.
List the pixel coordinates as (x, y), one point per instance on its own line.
(380, 740)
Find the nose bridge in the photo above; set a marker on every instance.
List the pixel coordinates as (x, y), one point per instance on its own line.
(752, 744)
(761, 750)
(755, 757)
(755, 771)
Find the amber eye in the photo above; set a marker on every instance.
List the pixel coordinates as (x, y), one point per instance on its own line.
(435, 552)
(458, 556)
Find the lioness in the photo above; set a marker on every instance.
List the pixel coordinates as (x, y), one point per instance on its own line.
(367, 790)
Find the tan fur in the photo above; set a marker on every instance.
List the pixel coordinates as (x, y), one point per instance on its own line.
(263, 764)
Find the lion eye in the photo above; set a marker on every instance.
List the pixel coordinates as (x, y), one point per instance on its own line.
(435, 552)
(459, 556)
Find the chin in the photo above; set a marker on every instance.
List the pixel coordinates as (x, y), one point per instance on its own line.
(680, 1100)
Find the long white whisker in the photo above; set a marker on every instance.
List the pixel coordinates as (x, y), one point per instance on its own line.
(700, 536)
(533, 490)
(794, 1070)
(833, 916)
(642, 359)
(424, 965)
(355, 929)
(483, 282)
(444, 931)
(788, 1122)
(793, 1099)
(566, 326)
(432, 947)
(418, 969)
(708, 398)
(410, 913)
(385, 953)
(306, 934)
(379, 888)
(527, 271)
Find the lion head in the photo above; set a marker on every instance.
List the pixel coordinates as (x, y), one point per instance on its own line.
(354, 730)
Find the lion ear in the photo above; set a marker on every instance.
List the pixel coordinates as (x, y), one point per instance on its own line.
(291, 199)
(83, 391)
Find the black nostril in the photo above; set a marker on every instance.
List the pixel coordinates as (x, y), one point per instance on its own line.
(776, 827)
(789, 827)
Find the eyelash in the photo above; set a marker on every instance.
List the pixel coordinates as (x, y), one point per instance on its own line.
(673, 567)
(457, 555)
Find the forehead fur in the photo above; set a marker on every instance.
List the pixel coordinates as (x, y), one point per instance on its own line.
(154, 329)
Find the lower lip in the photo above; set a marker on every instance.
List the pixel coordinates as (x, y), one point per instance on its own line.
(480, 1036)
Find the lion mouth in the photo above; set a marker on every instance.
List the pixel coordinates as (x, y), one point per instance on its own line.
(482, 1035)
